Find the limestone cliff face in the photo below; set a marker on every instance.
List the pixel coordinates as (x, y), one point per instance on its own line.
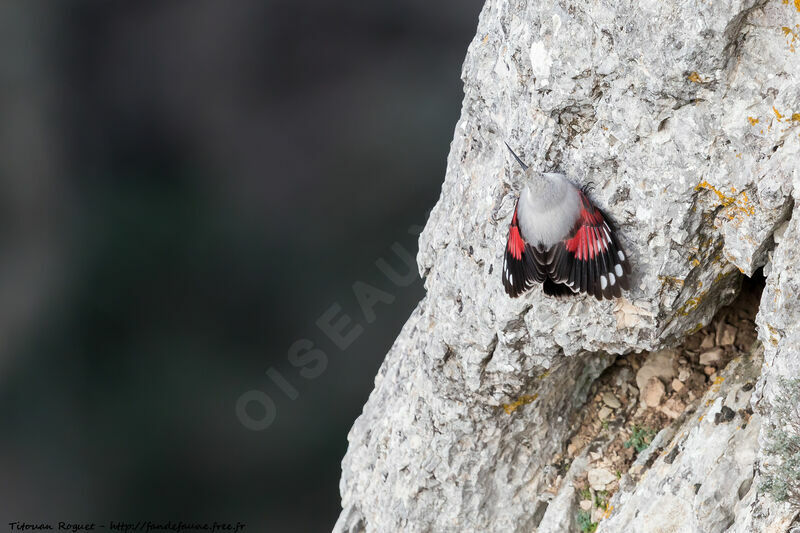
(685, 117)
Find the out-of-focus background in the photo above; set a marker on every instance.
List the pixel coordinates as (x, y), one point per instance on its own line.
(187, 187)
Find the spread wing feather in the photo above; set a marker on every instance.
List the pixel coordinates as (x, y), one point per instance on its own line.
(589, 260)
(520, 268)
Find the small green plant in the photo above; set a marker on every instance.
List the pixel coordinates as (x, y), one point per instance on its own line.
(586, 494)
(601, 499)
(585, 522)
(641, 437)
(781, 474)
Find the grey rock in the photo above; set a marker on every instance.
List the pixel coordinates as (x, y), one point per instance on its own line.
(612, 401)
(653, 392)
(712, 357)
(778, 322)
(726, 334)
(599, 478)
(660, 365)
(668, 110)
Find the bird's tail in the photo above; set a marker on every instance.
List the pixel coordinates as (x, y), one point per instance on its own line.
(559, 290)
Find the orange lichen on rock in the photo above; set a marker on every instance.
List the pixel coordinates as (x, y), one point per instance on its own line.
(523, 400)
(691, 304)
(738, 206)
(752, 121)
(787, 31)
(695, 77)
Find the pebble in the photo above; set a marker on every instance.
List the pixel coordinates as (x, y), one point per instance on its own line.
(677, 386)
(658, 364)
(611, 400)
(708, 342)
(712, 356)
(653, 392)
(673, 408)
(599, 478)
(604, 413)
(726, 334)
(585, 504)
(709, 370)
(684, 374)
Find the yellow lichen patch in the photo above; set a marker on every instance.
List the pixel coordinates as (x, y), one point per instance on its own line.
(736, 206)
(723, 199)
(544, 374)
(694, 77)
(723, 275)
(796, 117)
(777, 114)
(773, 338)
(695, 329)
(718, 380)
(752, 121)
(523, 400)
(608, 511)
(486, 39)
(787, 32)
(671, 280)
(691, 304)
(695, 262)
(797, 4)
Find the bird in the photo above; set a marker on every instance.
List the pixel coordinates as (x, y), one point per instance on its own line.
(559, 238)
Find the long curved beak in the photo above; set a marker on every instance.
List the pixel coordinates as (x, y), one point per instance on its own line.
(523, 165)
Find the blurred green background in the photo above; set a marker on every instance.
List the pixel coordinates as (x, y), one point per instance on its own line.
(187, 186)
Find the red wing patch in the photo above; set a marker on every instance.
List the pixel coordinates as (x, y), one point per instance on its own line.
(515, 244)
(595, 262)
(520, 268)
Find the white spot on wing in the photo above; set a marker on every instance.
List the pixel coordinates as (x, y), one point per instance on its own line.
(611, 278)
(604, 282)
(618, 269)
(621, 255)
